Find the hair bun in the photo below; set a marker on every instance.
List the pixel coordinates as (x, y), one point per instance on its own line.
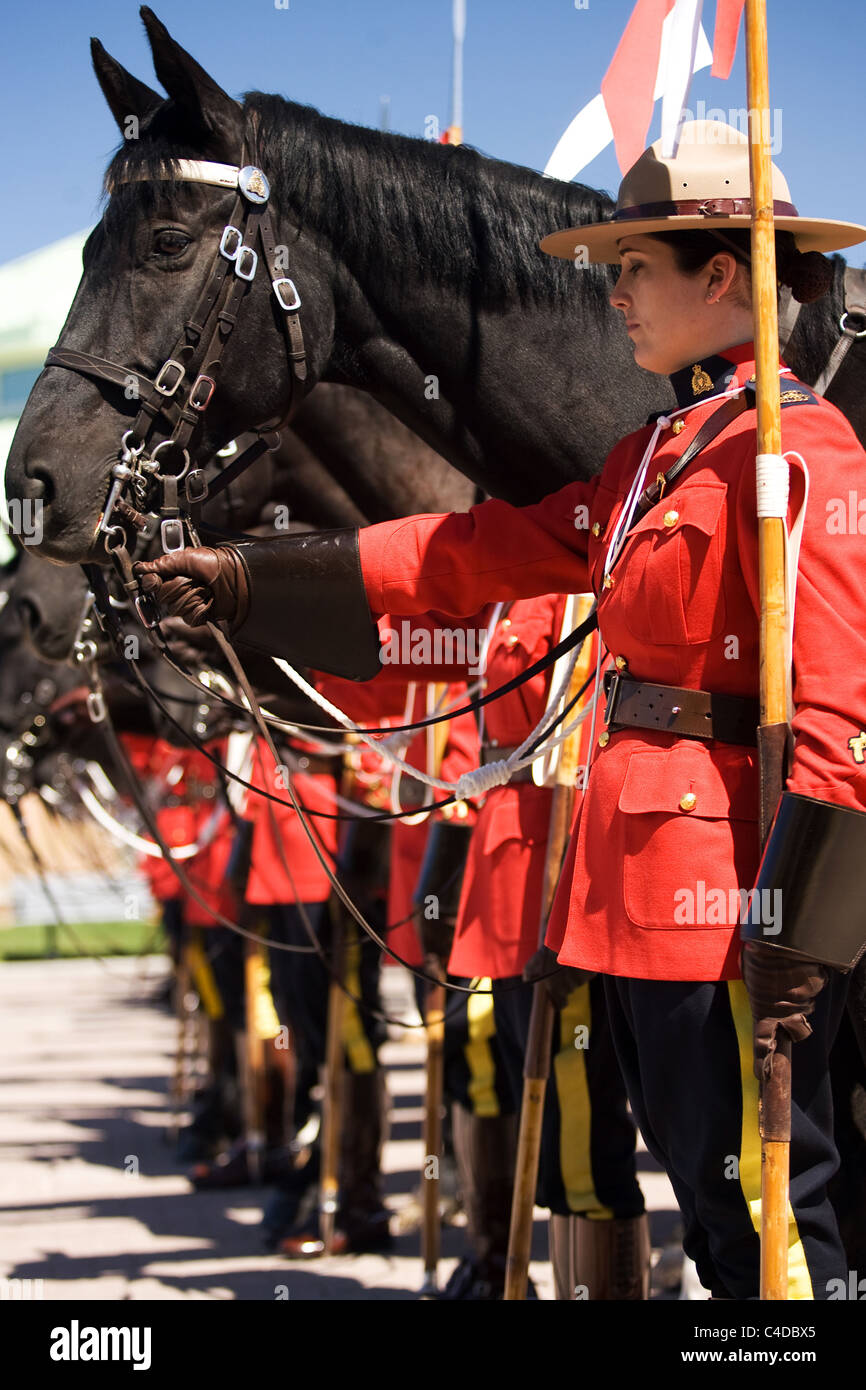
(809, 274)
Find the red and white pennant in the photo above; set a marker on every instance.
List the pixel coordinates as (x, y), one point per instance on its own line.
(663, 45)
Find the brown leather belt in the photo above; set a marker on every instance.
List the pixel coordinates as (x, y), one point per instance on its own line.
(492, 753)
(686, 713)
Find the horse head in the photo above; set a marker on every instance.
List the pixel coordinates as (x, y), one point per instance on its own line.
(170, 277)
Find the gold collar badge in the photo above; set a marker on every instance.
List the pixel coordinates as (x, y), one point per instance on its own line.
(701, 380)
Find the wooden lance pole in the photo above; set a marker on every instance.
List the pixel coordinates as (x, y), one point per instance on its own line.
(332, 1108)
(253, 1061)
(434, 1023)
(775, 1097)
(536, 1065)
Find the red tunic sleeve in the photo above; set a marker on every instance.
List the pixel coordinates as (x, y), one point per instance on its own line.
(457, 562)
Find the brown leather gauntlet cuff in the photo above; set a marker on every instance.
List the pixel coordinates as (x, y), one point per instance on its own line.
(808, 898)
(306, 603)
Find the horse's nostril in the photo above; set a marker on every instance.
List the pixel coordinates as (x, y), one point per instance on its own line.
(28, 614)
(39, 487)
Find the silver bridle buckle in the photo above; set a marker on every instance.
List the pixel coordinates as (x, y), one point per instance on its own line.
(96, 706)
(166, 368)
(171, 532)
(295, 302)
(246, 263)
(202, 389)
(231, 242)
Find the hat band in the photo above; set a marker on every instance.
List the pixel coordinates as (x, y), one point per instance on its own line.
(699, 207)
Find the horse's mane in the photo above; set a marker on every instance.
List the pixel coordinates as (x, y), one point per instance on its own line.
(409, 208)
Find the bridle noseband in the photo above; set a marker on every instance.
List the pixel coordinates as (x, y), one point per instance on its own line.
(164, 469)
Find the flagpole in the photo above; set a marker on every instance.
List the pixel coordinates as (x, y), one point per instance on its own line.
(775, 1095)
(458, 25)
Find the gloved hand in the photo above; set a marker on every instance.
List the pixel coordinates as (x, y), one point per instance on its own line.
(782, 990)
(201, 584)
(558, 980)
(437, 937)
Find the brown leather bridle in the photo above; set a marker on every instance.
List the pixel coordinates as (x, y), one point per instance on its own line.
(196, 357)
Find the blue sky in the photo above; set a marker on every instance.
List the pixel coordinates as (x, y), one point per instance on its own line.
(529, 67)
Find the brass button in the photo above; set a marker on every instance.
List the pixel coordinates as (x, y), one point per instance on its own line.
(506, 622)
(671, 518)
(678, 425)
(603, 739)
(688, 802)
(511, 641)
(494, 743)
(621, 663)
(608, 581)
(596, 528)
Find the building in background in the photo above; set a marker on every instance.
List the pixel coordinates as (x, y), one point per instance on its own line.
(35, 294)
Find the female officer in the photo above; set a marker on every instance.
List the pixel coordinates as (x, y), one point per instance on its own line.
(667, 832)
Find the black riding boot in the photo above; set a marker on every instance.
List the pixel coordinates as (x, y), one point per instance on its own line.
(484, 1147)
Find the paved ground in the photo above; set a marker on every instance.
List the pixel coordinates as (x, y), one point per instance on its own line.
(91, 1202)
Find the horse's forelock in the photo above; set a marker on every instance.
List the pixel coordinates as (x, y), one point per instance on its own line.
(135, 179)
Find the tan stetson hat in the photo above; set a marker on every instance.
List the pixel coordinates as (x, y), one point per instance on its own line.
(705, 186)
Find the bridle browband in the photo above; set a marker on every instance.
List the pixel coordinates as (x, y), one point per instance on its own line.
(196, 358)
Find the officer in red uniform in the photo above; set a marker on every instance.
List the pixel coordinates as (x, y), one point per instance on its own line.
(182, 786)
(598, 1231)
(667, 833)
(363, 865)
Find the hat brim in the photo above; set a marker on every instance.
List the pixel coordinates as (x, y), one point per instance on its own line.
(597, 242)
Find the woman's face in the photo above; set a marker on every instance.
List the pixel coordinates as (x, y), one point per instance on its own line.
(674, 319)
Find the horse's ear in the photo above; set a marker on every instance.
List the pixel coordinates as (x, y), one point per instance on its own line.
(194, 90)
(126, 96)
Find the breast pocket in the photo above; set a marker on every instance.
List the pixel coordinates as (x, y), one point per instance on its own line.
(669, 578)
(690, 838)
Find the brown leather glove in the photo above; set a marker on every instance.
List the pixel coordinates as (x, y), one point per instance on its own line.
(782, 990)
(436, 937)
(200, 584)
(558, 980)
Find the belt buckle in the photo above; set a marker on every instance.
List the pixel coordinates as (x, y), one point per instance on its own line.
(613, 686)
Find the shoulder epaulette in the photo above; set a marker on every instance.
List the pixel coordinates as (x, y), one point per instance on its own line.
(797, 393)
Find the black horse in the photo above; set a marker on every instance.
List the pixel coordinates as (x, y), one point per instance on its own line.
(421, 281)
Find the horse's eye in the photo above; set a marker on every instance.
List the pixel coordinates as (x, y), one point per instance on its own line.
(170, 242)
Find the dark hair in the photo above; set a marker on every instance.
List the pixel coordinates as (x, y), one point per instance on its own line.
(808, 273)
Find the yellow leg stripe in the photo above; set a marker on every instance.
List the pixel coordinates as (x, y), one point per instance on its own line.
(575, 1110)
(478, 1052)
(359, 1052)
(204, 980)
(266, 1025)
(799, 1279)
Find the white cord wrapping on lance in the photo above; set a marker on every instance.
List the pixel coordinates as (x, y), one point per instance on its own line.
(772, 477)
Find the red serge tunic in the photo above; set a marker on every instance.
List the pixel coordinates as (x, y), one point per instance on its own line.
(383, 700)
(500, 901)
(179, 774)
(682, 610)
(306, 881)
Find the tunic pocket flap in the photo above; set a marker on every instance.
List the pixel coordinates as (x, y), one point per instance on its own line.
(692, 780)
(697, 504)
